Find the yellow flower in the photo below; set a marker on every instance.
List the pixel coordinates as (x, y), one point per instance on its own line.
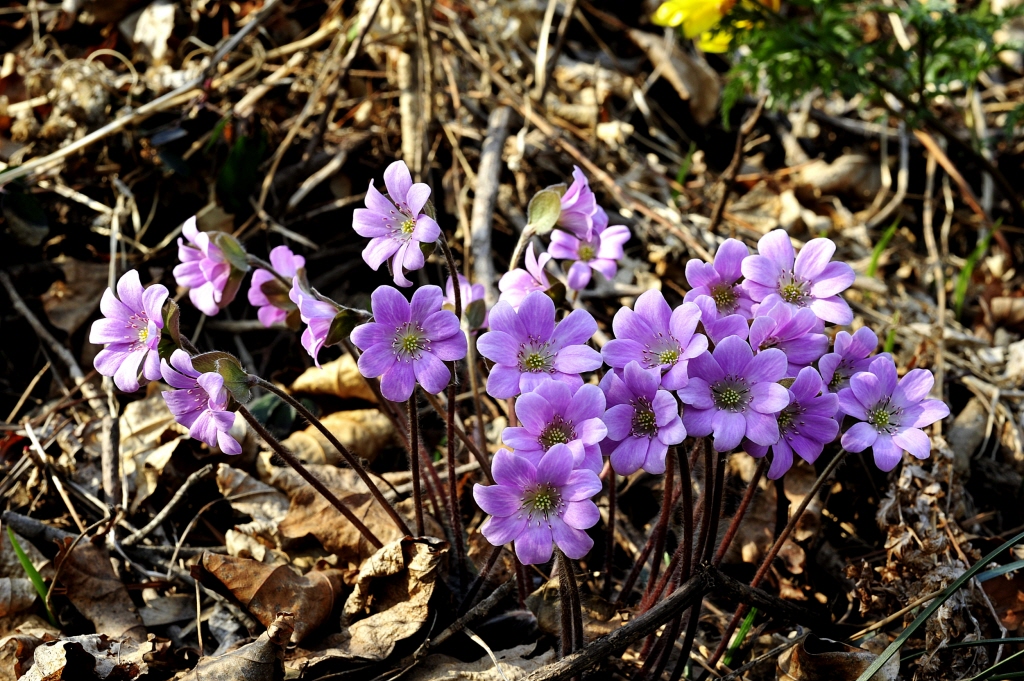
(695, 16)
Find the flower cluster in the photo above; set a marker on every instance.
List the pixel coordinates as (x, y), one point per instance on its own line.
(746, 359)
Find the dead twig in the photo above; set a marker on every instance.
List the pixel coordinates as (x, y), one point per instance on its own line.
(484, 198)
(728, 177)
(136, 537)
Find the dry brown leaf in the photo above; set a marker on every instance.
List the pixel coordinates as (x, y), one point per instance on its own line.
(266, 590)
(10, 566)
(391, 599)
(856, 174)
(1008, 311)
(813, 659)
(516, 664)
(97, 593)
(69, 303)
(694, 80)
(149, 436)
(363, 431)
(340, 378)
(256, 661)
(168, 609)
(599, 616)
(1007, 596)
(16, 594)
(90, 656)
(264, 504)
(16, 653)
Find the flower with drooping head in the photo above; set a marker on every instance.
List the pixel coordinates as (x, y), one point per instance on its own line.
(601, 252)
(891, 413)
(718, 326)
(317, 315)
(734, 394)
(806, 425)
(519, 283)
(527, 346)
(805, 280)
(642, 420)
(850, 355)
(795, 331)
(131, 331)
(720, 280)
(286, 264)
(468, 294)
(555, 413)
(395, 224)
(408, 343)
(580, 213)
(535, 505)
(199, 402)
(204, 270)
(657, 336)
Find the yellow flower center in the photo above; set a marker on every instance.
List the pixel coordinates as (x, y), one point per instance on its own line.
(408, 226)
(143, 335)
(587, 253)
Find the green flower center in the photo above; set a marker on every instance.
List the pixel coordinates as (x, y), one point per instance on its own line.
(543, 500)
(837, 380)
(409, 341)
(668, 356)
(587, 253)
(645, 424)
(729, 398)
(791, 292)
(534, 361)
(558, 432)
(731, 394)
(879, 417)
(785, 419)
(724, 297)
(408, 226)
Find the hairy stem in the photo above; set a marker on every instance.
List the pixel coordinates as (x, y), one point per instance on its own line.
(567, 576)
(304, 473)
(453, 494)
(414, 461)
(350, 458)
(734, 525)
(474, 588)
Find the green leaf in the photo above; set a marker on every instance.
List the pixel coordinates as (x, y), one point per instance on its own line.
(876, 254)
(544, 210)
(895, 646)
(170, 337)
(342, 325)
(277, 293)
(964, 278)
(475, 313)
(32, 573)
(25, 217)
(737, 640)
(233, 251)
(206, 362)
(556, 292)
(274, 413)
(236, 379)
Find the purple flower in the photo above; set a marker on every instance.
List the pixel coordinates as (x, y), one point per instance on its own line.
(317, 315)
(204, 270)
(285, 264)
(408, 343)
(657, 336)
(580, 213)
(601, 252)
(805, 426)
(519, 283)
(810, 280)
(554, 413)
(891, 413)
(199, 403)
(718, 326)
(850, 355)
(131, 330)
(642, 420)
(733, 394)
(537, 505)
(795, 331)
(720, 280)
(527, 346)
(395, 225)
(467, 294)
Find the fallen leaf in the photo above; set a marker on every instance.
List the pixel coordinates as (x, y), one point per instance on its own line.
(69, 303)
(599, 616)
(266, 590)
(813, 659)
(75, 657)
(264, 504)
(1007, 596)
(516, 663)
(93, 588)
(16, 594)
(10, 566)
(340, 378)
(363, 431)
(311, 514)
(168, 609)
(390, 602)
(256, 661)
(1008, 311)
(149, 436)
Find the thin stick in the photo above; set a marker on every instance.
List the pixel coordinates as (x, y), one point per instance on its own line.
(414, 461)
(485, 194)
(138, 535)
(474, 588)
(727, 178)
(304, 473)
(481, 458)
(352, 461)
